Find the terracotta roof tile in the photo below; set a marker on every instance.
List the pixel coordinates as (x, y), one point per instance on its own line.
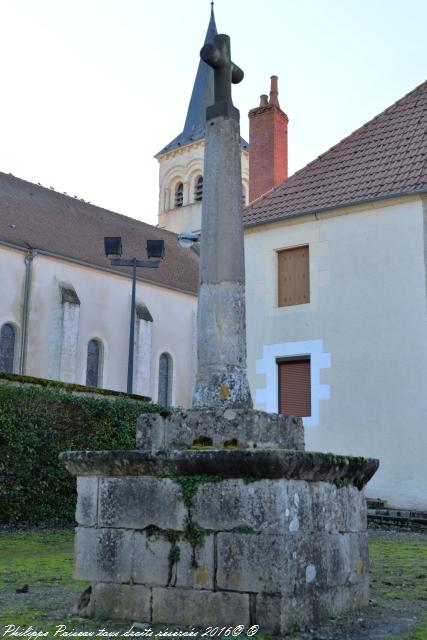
(385, 157)
(33, 216)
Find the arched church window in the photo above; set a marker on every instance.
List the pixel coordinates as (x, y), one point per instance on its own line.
(164, 396)
(94, 363)
(7, 348)
(179, 194)
(198, 189)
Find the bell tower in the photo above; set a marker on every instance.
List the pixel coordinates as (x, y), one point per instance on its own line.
(181, 161)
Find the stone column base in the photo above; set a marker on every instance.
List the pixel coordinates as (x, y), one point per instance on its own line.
(222, 538)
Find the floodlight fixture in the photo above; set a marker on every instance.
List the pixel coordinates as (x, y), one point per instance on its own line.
(187, 239)
(113, 250)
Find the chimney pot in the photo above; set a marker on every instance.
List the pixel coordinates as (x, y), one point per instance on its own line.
(274, 91)
(263, 100)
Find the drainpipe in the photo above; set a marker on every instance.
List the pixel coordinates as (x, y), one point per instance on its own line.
(29, 256)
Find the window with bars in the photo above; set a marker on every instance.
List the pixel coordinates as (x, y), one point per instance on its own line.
(294, 386)
(179, 194)
(7, 348)
(293, 276)
(164, 396)
(198, 189)
(94, 364)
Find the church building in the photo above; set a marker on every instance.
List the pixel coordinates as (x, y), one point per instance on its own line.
(65, 310)
(181, 161)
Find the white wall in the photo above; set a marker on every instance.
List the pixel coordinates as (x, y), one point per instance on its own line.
(12, 277)
(366, 325)
(185, 165)
(104, 314)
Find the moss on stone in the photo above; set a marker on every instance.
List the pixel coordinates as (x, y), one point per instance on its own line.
(174, 554)
(174, 557)
(171, 535)
(338, 461)
(340, 483)
(201, 442)
(194, 535)
(68, 386)
(249, 479)
(190, 484)
(230, 444)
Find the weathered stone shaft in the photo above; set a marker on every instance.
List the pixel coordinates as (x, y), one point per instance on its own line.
(221, 349)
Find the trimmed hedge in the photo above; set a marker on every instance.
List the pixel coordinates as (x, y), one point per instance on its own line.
(68, 386)
(36, 424)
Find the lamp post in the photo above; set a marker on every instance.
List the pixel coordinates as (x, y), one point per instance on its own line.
(113, 250)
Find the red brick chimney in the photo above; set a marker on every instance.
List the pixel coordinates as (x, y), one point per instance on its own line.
(268, 144)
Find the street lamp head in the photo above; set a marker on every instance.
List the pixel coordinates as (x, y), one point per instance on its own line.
(185, 243)
(155, 249)
(113, 246)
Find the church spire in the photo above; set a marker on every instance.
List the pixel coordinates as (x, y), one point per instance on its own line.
(201, 97)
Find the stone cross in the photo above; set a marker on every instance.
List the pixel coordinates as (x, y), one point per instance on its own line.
(221, 325)
(217, 55)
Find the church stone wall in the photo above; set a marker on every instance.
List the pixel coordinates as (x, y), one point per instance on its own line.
(58, 336)
(69, 341)
(12, 270)
(142, 364)
(185, 165)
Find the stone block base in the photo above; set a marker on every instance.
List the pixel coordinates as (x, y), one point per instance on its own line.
(247, 427)
(274, 613)
(203, 549)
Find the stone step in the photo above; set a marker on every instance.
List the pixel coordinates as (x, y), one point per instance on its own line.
(376, 503)
(405, 518)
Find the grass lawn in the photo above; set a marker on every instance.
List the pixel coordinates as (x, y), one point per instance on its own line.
(43, 560)
(399, 579)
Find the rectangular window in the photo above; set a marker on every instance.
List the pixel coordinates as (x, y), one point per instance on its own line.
(293, 276)
(294, 387)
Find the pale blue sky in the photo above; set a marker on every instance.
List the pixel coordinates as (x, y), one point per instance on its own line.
(92, 89)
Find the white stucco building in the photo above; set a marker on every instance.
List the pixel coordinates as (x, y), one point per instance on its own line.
(65, 311)
(337, 299)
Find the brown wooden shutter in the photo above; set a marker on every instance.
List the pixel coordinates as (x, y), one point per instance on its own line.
(293, 276)
(294, 387)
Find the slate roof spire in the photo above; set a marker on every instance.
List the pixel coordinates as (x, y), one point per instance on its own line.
(201, 97)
